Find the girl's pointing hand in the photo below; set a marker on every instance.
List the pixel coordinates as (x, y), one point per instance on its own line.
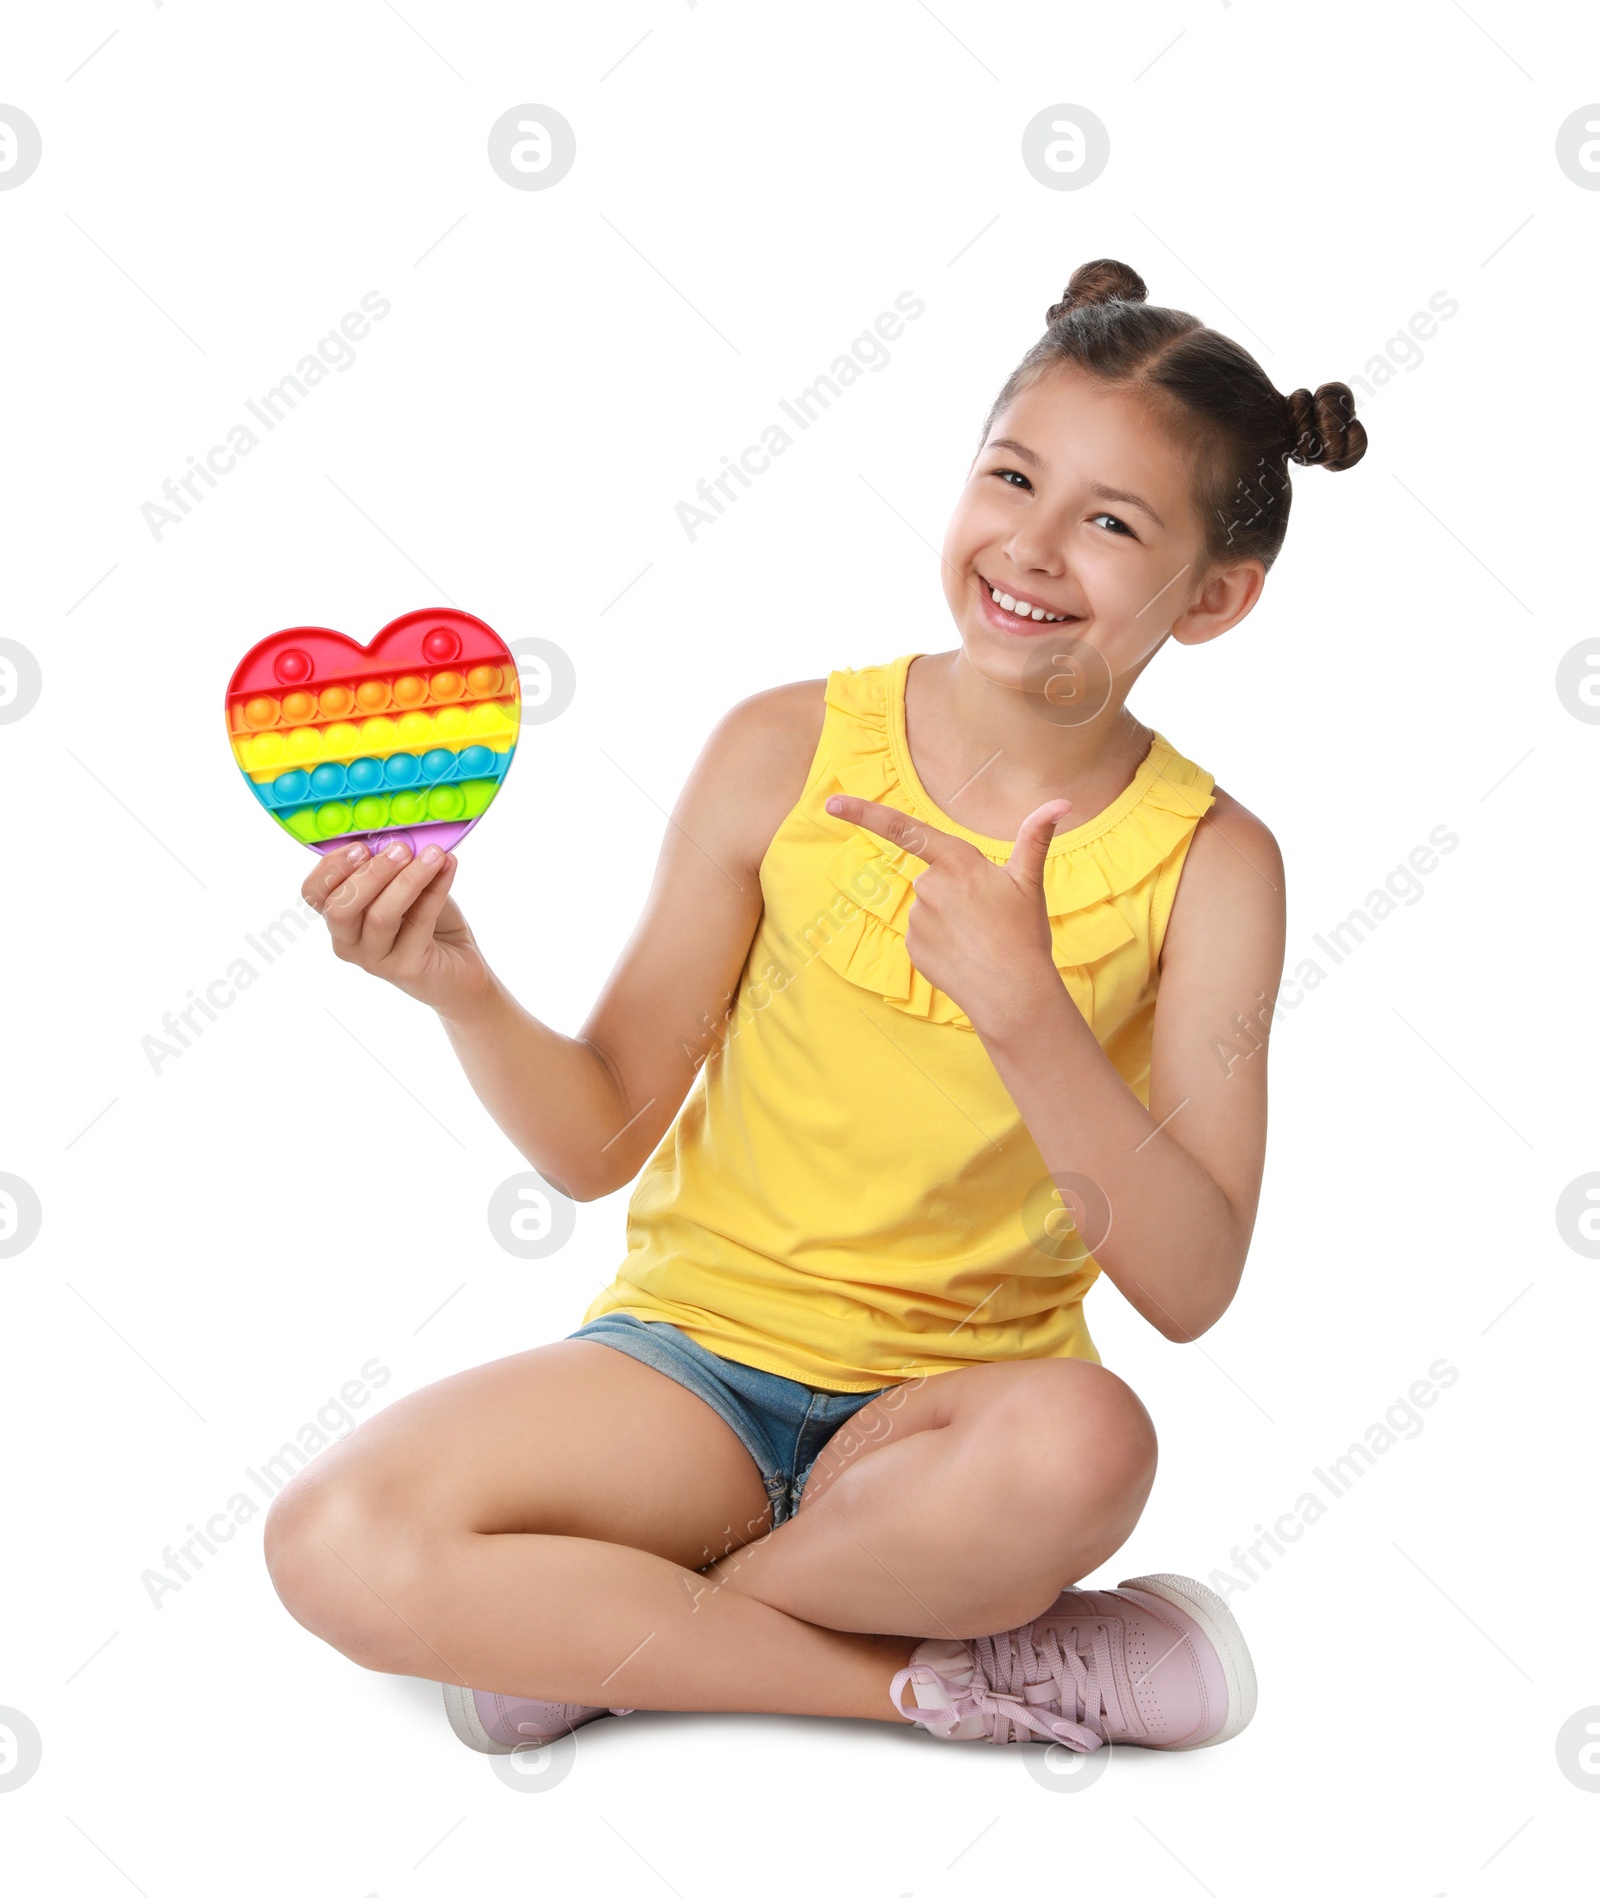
(978, 930)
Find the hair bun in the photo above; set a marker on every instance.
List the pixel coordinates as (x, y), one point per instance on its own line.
(1099, 282)
(1323, 429)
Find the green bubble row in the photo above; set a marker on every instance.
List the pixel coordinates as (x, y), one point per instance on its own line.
(443, 804)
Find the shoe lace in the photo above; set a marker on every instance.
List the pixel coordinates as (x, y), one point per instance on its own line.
(1041, 1681)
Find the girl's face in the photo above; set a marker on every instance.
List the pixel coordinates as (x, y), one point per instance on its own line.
(1077, 504)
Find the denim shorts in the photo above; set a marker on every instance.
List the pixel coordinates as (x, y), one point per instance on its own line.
(783, 1424)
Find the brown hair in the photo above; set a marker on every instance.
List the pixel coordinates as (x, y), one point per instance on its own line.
(1236, 429)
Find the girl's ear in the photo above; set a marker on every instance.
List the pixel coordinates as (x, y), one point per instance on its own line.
(1223, 600)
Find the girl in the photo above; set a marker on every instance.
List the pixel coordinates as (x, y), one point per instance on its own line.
(836, 1439)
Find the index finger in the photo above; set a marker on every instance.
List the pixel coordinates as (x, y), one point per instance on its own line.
(331, 871)
(899, 827)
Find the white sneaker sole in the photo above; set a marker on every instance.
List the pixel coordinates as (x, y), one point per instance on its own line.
(464, 1721)
(1204, 1606)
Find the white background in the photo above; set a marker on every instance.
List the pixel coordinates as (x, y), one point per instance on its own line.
(227, 1241)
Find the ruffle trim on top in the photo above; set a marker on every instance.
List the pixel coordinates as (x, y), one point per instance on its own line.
(1117, 851)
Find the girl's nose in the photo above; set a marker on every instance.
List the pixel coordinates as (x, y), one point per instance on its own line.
(1031, 551)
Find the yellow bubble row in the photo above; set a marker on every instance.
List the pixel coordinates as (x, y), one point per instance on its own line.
(493, 723)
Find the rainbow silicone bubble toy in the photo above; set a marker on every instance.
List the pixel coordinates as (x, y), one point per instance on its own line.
(409, 738)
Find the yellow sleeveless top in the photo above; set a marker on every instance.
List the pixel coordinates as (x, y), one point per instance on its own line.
(848, 1196)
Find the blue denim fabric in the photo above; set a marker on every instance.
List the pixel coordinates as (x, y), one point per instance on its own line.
(782, 1423)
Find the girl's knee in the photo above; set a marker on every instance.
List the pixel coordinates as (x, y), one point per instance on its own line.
(1070, 1429)
(346, 1568)
(1117, 1423)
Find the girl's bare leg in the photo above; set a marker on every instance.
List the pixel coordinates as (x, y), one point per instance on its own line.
(535, 1527)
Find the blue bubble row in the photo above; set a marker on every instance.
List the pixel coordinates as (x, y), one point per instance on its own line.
(369, 777)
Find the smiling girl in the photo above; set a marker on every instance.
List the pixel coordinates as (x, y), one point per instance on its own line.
(836, 1439)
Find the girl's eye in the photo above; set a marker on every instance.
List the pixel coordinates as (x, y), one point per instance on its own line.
(1013, 478)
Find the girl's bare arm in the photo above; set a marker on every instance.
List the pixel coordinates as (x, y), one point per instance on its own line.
(588, 1109)
(1180, 1181)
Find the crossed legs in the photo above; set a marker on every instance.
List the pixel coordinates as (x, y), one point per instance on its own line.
(540, 1526)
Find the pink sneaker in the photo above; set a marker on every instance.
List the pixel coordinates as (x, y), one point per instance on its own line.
(500, 1723)
(1158, 1661)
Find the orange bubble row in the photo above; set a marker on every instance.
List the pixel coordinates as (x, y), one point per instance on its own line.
(407, 692)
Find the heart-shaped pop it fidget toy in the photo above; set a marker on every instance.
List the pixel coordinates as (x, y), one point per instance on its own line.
(409, 738)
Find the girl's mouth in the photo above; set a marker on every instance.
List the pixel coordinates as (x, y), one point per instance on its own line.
(1014, 613)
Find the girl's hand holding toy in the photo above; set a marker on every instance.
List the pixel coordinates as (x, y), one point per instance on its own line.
(393, 916)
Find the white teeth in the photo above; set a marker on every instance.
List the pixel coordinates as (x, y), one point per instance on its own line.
(1021, 607)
